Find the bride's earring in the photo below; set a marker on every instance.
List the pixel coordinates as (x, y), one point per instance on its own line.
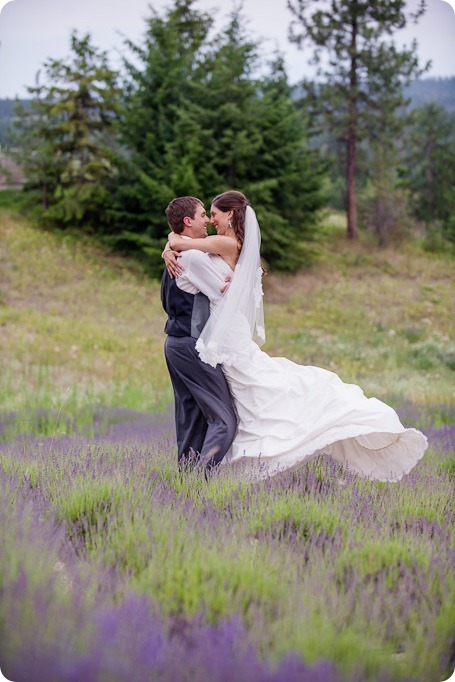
(229, 222)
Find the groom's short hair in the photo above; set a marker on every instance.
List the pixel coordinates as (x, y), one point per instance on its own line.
(180, 208)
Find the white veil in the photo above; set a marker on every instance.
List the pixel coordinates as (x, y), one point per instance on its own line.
(239, 315)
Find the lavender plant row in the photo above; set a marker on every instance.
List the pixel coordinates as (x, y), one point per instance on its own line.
(115, 566)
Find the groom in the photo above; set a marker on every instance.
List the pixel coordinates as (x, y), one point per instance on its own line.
(205, 419)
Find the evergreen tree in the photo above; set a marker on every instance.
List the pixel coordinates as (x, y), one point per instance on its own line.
(163, 142)
(286, 182)
(258, 144)
(231, 91)
(383, 203)
(65, 135)
(361, 86)
(30, 137)
(430, 167)
(198, 121)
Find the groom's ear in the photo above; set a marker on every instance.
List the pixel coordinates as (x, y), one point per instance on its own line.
(187, 221)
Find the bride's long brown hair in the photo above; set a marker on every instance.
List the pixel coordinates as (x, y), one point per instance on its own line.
(236, 202)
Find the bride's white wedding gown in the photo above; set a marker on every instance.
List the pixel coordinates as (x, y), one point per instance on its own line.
(290, 413)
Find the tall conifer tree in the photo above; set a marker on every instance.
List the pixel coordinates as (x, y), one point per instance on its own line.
(287, 184)
(65, 137)
(199, 121)
(162, 141)
(361, 71)
(430, 167)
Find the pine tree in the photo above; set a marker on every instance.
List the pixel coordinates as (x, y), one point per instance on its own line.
(232, 97)
(66, 135)
(430, 167)
(32, 145)
(198, 121)
(161, 140)
(361, 85)
(288, 187)
(259, 146)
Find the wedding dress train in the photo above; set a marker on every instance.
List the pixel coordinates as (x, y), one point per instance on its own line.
(289, 413)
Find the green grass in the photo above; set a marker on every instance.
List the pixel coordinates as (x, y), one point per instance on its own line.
(319, 563)
(82, 327)
(79, 327)
(383, 318)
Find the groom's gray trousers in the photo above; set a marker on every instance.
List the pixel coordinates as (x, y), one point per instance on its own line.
(205, 418)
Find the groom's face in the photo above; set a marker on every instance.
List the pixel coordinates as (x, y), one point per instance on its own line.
(199, 223)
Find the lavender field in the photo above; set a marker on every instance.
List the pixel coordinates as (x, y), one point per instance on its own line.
(115, 566)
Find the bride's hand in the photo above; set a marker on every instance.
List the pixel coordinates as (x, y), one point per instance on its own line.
(171, 261)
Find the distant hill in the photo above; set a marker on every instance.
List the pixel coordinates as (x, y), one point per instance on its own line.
(6, 108)
(6, 114)
(439, 90)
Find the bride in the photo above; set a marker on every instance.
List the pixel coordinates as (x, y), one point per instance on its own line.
(288, 413)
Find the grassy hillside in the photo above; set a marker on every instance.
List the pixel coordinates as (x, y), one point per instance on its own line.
(81, 327)
(114, 565)
(78, 327)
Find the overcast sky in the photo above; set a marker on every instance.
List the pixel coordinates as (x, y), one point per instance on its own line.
(33, 30)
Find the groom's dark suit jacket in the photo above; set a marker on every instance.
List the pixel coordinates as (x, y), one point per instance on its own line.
(187, 313)
(205, 419)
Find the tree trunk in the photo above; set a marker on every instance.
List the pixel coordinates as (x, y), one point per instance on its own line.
(430, 183)
(351, 203)
(44, 197)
